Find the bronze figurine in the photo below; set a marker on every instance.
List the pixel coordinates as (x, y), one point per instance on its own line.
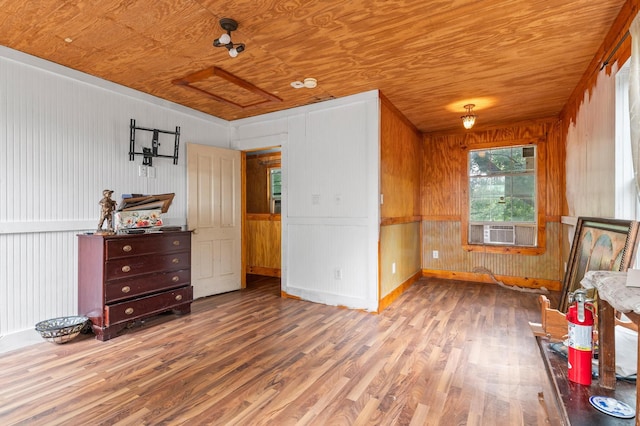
(107, 207)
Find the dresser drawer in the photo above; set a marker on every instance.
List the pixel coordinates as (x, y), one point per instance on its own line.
(146, 306)
(137, 265)
(145, 284)
(147, 244)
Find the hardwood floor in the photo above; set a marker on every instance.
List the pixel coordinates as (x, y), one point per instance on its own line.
(445, 352)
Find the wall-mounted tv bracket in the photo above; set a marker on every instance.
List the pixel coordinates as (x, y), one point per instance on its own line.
(149, 153)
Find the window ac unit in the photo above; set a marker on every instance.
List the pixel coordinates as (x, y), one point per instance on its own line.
(499, 234)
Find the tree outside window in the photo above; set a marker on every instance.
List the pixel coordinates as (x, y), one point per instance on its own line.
(502, 185)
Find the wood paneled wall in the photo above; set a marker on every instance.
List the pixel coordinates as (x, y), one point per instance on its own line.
(263, 241)
(445, 162)
(258, 182)
(400, 168)
(257, 201)
(399, 246)
(400, 164)
(556, 203)
(442, 167)
(543, 270)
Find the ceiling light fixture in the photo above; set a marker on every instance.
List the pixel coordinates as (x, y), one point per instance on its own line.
(224, 40)
(469, 119)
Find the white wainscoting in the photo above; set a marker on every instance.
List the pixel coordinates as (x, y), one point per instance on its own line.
(330, 186)
(39, 278)
(64, 137)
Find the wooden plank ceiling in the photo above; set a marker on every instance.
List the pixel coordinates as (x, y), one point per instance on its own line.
(515, 59)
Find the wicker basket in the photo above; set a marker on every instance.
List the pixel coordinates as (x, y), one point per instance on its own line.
(61, 330)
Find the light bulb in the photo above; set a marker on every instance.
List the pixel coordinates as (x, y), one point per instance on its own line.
(233, 52)
(468, 121)
(224, 39)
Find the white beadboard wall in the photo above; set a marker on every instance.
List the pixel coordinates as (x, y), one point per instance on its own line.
(330, 185)
(64, 137)
(590, 164)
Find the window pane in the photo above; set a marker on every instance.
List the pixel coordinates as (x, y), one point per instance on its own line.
(480, 210)
(487, 186)
(501, 161)
(524, 185)
(523, 209)
(502, 185)
(275, 175)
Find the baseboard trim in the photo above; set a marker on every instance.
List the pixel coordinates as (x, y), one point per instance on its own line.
(289, 296)
(267, 272)
(394, 294)
(19, 339)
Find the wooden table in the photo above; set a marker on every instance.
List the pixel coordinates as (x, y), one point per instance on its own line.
(572, 399)
(613, 295)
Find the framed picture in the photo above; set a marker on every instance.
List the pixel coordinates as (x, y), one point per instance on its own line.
(598, 245)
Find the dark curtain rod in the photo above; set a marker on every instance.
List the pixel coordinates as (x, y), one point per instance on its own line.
(615, 49)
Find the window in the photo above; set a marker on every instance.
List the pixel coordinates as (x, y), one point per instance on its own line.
(502, 196)
(627, 203)
(275, 194)
(274, 183)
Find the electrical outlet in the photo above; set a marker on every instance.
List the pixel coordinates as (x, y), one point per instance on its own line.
(337, 274)
(435, 254)
(142, 171)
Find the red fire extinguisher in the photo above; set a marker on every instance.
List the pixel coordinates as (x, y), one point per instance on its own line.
(580, 320)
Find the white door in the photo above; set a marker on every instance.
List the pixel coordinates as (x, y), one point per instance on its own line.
(214, 216)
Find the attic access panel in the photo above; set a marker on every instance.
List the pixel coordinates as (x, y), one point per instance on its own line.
(232, 90)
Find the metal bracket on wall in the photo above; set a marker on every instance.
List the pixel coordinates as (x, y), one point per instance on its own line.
(149, 153)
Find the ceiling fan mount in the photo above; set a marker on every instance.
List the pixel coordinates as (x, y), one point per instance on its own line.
(228, 24)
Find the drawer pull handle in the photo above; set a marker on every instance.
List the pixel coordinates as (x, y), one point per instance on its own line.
(126, 248)
(176, 242)
(126, 268)
(175, 260)
(175, 278)
(126, 289)
(179, 297)
(128, 311)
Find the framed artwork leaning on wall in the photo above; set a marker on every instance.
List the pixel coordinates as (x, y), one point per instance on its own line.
(598, 245)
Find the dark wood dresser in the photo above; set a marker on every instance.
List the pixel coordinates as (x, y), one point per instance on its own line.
(125, 278)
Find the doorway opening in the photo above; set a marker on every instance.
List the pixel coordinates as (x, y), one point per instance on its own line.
(262, 229)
